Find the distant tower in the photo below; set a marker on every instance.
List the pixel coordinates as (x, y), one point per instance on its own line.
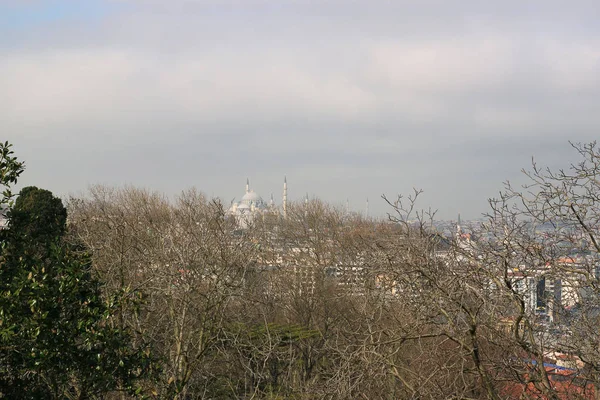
(247, 185)
(367, 211)
(272, 201)
(458, 227)
(306, 205)
(347, 206)
(284, 196)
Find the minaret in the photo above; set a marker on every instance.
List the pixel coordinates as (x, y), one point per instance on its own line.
(284, 196)
(306, 205)
(247, 185)
(347, 206)
(272, 201)
(367, 212)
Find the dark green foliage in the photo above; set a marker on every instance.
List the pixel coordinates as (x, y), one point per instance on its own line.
(56, 339)
(10, 169)
(56, 336)
(38, 215)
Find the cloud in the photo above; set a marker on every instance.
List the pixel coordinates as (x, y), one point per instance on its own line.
(76, 85)
(417, 79)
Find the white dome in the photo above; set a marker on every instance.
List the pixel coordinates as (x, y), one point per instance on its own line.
(252, 197)
(243, 206)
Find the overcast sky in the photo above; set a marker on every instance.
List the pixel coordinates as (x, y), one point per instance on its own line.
(349, 99)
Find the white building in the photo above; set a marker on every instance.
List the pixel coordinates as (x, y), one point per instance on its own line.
(252, 205)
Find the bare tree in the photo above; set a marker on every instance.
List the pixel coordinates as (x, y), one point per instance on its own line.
(186, 262)
(322, 304)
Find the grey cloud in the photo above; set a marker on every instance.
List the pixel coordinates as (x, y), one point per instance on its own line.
(349, 99)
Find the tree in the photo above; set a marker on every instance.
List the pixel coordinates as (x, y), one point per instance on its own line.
(544, 260)
(186, 260)
(320, 304)
(10, 170)
(55, 341)
(521, 303)
(38, 215)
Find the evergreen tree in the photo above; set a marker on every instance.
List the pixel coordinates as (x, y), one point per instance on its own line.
(38, 216)
(56, 340)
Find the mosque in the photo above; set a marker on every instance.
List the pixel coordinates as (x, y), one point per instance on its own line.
(252, 204)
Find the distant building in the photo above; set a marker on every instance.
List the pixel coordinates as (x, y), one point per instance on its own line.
(252, 205)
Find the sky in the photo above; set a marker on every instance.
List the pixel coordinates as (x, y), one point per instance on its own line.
(349, 99)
